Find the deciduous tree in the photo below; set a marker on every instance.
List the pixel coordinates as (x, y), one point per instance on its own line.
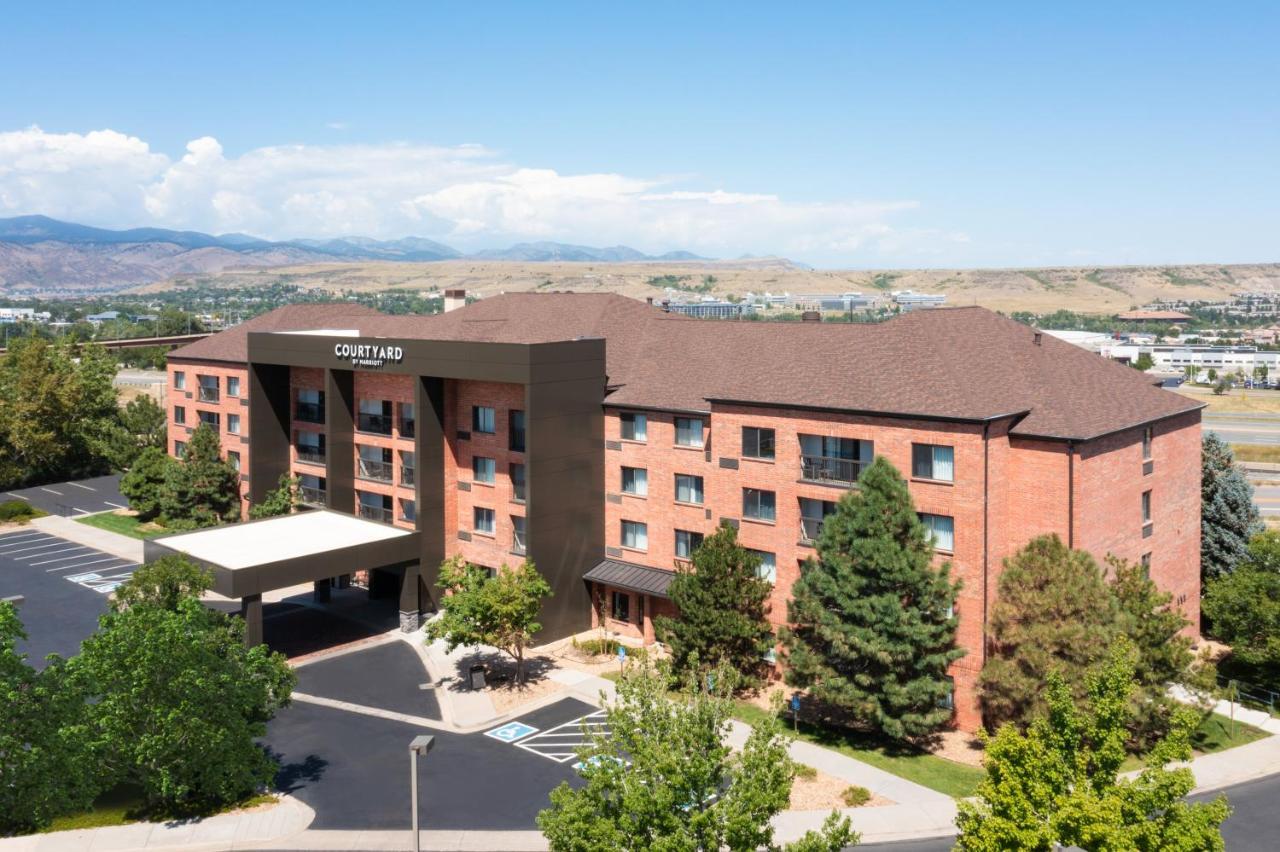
(1058, 784)
(1243, 608)
(1054, 612)
(872, 623)
(721, 601)
(165, 583)
(280, 500)
(1228, 518)
(500, 611)
(664, 779)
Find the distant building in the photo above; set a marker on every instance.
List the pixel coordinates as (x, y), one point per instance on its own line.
(12, 315)
(832, 302)
(105, 316)
(1178, 357)
(1094, 341)
(711, 309)
(1154, 316)
(910, 300)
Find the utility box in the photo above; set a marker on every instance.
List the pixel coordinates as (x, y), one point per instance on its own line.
(477, 677)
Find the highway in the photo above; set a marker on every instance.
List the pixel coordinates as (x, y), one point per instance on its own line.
(1253, 429)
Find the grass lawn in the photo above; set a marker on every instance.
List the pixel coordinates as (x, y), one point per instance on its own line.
(122, 524)
(1216, 733)
(1256, 452)
(1237, 400)
(122, 806)
(927, 770)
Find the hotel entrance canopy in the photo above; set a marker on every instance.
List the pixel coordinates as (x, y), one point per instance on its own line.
(250, 558)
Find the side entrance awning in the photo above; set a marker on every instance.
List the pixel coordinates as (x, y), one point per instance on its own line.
(631, 577)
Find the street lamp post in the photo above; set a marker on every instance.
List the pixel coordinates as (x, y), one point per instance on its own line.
(420, 746)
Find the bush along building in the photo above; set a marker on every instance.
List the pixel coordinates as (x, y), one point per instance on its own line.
(602, 438)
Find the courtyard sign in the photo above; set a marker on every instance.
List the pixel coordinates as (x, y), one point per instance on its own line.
(368, 355)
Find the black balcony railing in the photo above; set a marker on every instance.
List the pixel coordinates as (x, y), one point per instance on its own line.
(406, 428)
(378, 470)
(209, 394)
(406, 475)
(378, 424)
(830, 470)
(375, 513)
(310, 412)
(312, 495)
(810, 529)
(310, 454)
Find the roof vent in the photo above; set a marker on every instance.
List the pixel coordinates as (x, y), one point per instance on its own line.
(454, 299)
(1036, 338)
(648, 301)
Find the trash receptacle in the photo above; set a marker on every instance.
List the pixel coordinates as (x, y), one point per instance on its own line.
(477, 677)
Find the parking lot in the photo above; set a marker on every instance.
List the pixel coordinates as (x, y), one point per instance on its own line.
(64, 588)
(79, 497)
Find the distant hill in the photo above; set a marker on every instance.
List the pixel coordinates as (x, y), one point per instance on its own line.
(40, 254)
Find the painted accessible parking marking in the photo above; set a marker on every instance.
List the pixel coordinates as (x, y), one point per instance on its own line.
(561, 743)
(511, 732)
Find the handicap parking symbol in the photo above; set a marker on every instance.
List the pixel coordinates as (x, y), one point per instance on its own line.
(511, 732)
(81, 578)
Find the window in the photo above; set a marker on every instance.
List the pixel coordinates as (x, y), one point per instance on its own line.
(311, 488)
(179, 414)
(373, 463)
(210, 418)
(634, 427)
(759, 505)
(1146, 507)
(689, 431)
(179, 449)
(483, 469)
(208, 388)
(635, 535)
(516, 432)
(768, 569)
(757, 443)
(233, 424)
(933, 461)
(621, 608)
(374, 416)
(942, 530)
(482, 419)
(482, 520)
(408, 467)
(1146, 566)
(233, 385)
(408, 510)
(517, 533)
(635, 481)
(310, 447)
(407, 422)
(948, 701)
(179, 380)
(686, 543)
(812, 513)
(233, 459)
(1147, 435)
(374, 507)
(828, 459)
(688, 488)
(517, 482)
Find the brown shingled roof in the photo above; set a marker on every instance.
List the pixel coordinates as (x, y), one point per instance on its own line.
(955, 363)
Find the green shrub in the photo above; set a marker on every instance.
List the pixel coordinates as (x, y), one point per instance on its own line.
(598, 647)
(855, 796)
(806, 772)
(19, 511)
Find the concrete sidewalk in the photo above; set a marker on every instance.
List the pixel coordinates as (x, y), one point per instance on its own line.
(77, 533)
(255, 829)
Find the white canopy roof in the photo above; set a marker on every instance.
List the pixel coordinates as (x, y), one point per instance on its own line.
(239, 546)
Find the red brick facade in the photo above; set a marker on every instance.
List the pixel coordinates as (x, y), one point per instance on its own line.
(1004, 490)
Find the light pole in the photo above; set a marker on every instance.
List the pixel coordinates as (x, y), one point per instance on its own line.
(420, 746)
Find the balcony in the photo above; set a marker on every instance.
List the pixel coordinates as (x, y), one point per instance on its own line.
(309, 412)
(312, 495)
(830, 471)
(379, 471)
(209, 394)
(376, 424)
(381, 514)
(407, 427)
(810, 529)
(406, 475)
(310, 454)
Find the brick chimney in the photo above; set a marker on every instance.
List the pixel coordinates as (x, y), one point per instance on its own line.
(454, 299)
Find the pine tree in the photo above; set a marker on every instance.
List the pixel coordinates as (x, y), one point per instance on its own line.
(204, 489)
(146, 483)
(1054, 612)
(872, 628)
(1228, 517)
(280, 500)
(722, 603)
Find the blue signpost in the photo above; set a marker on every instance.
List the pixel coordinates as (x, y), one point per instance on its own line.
(622, 657)
(795, 712)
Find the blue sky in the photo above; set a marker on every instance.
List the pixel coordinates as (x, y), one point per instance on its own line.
(865, 135)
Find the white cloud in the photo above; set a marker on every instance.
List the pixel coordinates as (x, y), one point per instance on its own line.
(463, 194)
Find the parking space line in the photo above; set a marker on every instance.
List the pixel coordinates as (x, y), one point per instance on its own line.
(561, 743)
(82, 564)
(85, 487)
(51, 491)
(19, 496)
(11, 538)
(116, 505)
(55, 543)
(65, 558)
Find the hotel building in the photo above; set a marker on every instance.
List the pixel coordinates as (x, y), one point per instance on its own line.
(602, 438)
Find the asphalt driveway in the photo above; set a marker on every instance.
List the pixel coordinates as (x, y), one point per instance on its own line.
(78, 497)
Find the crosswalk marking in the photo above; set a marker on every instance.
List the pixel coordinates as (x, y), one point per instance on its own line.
(561, 743)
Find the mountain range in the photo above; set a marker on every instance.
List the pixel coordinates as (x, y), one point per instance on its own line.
(44, 254)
